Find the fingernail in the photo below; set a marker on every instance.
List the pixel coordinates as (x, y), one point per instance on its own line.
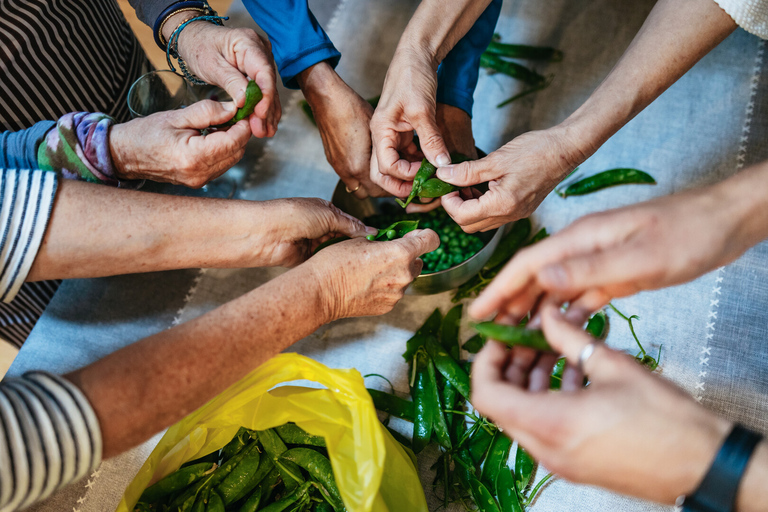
(370, 230)
(229, 106)
(555, 275)
(443, 159)
(446, 172)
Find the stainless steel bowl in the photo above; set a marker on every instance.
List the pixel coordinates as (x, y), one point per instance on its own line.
(425, 284)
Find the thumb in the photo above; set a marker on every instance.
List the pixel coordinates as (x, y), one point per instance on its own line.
(419, 241)
(468, 173)
(232, 81)
(206, 113)
(432, 143)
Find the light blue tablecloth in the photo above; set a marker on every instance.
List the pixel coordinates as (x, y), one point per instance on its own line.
(705, 128)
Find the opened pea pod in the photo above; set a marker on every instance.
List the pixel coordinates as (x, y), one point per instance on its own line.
(253, 96)
(426, 185)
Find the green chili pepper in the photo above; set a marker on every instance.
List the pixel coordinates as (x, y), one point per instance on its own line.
(524, 465)
(521, 51)
(607, 179)
(397, 230)
(512, 335)
(392, 404)
(439, 424)
(448, 367)
(474, 344)
(506, 491)
(449, 331)
(274, 446)
(294, 434)
(596, 325)
(215, 503)
(496, 460)
(430, 328)
(297, 495)
(423, 413)
(233, 486)
(319, 468)
(512, 69)
(176, 481)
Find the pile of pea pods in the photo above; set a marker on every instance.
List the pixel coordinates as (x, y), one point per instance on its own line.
(272, 470)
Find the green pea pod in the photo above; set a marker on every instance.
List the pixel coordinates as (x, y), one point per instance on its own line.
(524, 465)
(215, 503)
(330, 242)
(474, 344)
(176, 481)
(596, 325)
(513, 69)
(556, 378)
(252, 503)
(237, 443)
(496, 460)
(392, 404)
(323, 506)
(253, 96)
(506, 492)
(397, 230)
(425, 172)
(256, 478)
(319, 468)
(294, 434)
(448, 367)
(605, 179)
(275, 448)
(423, 413)
(201, 502)
(435, 187)
(449, 331)
(479, 444)
(480, 494)
(294, 497)
(439, 422)
(232, 487)
(512, 335)
(521, 51)
(430, 328)
(509, 244)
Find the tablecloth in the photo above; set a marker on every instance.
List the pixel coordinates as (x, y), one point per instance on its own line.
(706, 127)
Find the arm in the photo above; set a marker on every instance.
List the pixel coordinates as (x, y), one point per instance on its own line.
(675, 36)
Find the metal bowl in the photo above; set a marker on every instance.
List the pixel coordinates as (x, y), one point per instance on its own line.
(425, 284)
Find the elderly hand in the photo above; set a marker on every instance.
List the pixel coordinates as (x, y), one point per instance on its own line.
(168, 147)
(298, 225)
(364, 278)
(647, 246)
(629, 430)
(342, 118)
(407, 104)
(225, 57)
(520, 175)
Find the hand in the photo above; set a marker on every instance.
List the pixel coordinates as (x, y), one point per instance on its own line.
(647, 246)
(300, 224)
(629, 430)
(225, 56)
(407, 104)
(520, 175)
(343, 118)
(363, 278)
(168, 147)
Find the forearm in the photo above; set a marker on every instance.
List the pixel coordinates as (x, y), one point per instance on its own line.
(147, 386)
(437, 26)
(99, 231)
(676, 35)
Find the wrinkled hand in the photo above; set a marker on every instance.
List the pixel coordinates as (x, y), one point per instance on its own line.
(647, 246)
(168, 147)
(520, 175)
(407, 104)
(226, 57)
(299, 225)
(629, 431)
(343, 119)
(363, 278)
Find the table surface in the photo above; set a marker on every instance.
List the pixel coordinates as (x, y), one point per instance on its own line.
(706, 127)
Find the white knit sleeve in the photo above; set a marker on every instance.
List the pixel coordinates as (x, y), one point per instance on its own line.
(751, 15)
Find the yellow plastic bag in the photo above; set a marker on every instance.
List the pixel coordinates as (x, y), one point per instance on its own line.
(373, 472)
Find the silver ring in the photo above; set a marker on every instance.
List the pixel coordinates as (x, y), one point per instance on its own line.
(352, 191)
(585, 354)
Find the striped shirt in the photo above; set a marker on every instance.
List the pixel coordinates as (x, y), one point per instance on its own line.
(56, 57)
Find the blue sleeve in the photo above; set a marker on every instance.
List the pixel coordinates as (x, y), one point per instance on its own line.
(458, 73)
(298, 40)
(18, 150)
(148, 10)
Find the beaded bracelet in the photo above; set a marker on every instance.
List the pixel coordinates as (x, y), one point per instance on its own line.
(173, 46)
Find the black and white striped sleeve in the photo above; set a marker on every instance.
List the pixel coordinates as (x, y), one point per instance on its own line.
(26, 199)
(49, 437)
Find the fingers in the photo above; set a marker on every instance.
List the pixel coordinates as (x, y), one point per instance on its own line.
(419, 241)
(394, 186)
(469, 173)
(431, 141)
(390, 163)
(204, 114)
(345, 224)
(233, 81)
(476, 214)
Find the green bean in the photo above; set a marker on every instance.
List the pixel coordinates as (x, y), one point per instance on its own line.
(605, 179)
(397, 230)
(474, 344)
(291, 433)
(430, 328)
(524, 465)
(512, 69)
(423, 413)
(448, 367)
(506, 491)
(512, 335)
(215, 503)
(275, 447)
(449, 331)
(176, 481)
(392, 404)
(496, 460)
(319, 468)
(521, 51)
(439, 423)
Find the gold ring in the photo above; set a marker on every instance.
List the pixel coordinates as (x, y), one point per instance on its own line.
(352, 191)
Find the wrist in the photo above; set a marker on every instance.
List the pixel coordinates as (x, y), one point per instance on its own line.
(741, 201)
(120, 154)
(322, 300)
(172, 22)
(318, 82)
